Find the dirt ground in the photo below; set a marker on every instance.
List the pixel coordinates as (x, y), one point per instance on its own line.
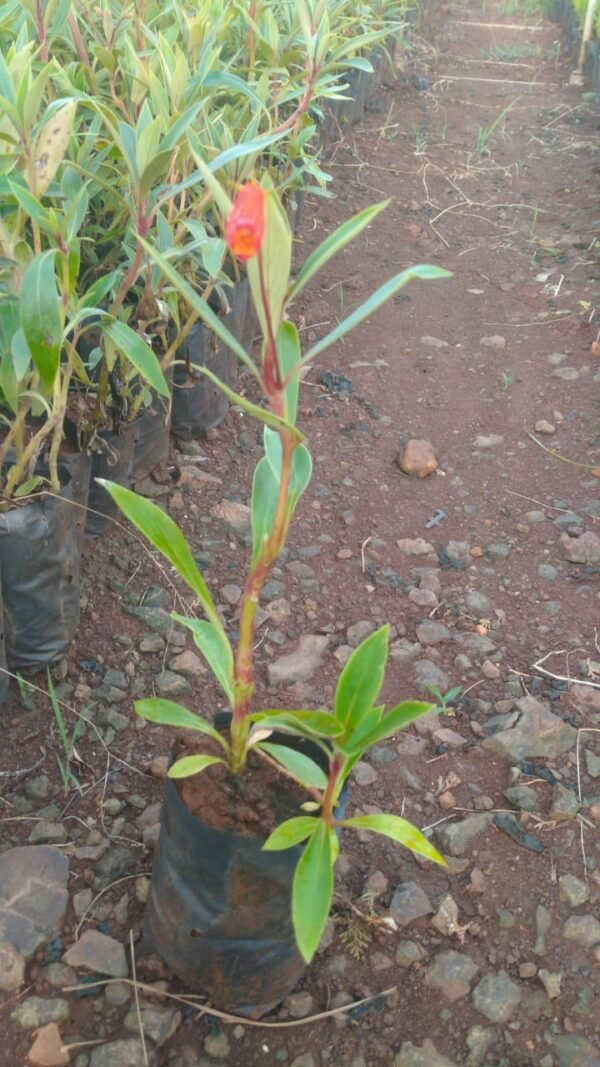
(489, 158)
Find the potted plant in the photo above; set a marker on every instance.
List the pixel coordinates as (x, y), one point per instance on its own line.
(238, 903)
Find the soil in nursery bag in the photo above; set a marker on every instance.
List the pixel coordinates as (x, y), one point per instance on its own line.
(219, 909)
(40, 552)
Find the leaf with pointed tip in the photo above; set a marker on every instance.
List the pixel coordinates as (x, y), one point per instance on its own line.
(168, 713)
(361, 679)
(303, 769)
(138, 353)
(41, 316)
(216, 649)
(333, 244)
(379, 297)
(312, 891)
(188, 765)
(400, 830)
(289, 833)
(395, 719)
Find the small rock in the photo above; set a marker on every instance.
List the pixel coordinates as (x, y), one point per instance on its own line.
(99, 953)
(497, 997)
(543, 426)
(451, 973)
(36, 1011)
(48, 833)
(425, 1055)
(33, 895)
(455, 837)
(299, 666)
(423, 598)
(551, 982)
(543, 922)
(428, 673)
(188, 664)
(159, 767)
(12, 968)
(47, 1049)
(536, 732)
(417, 459)
(570, 1050)
(582, 549)
(159, 1023)
(495, 341)
(357, 633)
(217, 1046)
(583, 929)
(169, 684)
(565, 803)
(488, 441)
(432, 633)
(479, 1042)
(490, 671)
(433, 342)
(278, 611)
(128, 1052)
(445, 919)
(409, 903)
(364, 774)
(566, 374)
(300, 1005)
(237, 517)
(117, 994)
(231, 593)
(527, 970)
(592, 763)
(409, 952)
(415, 547)
(522, 797)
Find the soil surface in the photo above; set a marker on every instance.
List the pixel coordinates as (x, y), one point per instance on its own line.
(489, 159)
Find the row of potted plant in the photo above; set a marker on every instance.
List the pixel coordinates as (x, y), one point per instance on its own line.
(116, 121)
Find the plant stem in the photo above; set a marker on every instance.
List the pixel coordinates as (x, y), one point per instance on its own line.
(244, 673)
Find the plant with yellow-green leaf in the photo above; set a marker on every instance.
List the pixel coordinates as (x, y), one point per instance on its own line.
(257, 233)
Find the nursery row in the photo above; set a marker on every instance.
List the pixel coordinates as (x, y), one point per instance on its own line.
(122, 127)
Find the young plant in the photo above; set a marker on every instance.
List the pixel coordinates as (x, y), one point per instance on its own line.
(258, 234)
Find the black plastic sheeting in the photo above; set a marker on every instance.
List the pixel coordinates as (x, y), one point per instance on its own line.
(151, 438)
(198, 404)
(219, 910)
(40, 553)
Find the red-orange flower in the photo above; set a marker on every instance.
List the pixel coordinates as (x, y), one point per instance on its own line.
(245, 228)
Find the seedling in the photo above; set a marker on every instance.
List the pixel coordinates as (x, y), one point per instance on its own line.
(67, 775)
(444, 700)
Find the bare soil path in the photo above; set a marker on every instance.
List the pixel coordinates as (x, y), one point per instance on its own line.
(490, 161)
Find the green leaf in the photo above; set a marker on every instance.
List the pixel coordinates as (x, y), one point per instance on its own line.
(361, 679)
(304, 769)
(32, 207)
(51, 145)
(321, 723)
(312, 891)
(200, 306)
(188, 765)
(301, 470)
(333, 244)
(398, 829)
(265, 490)
(138, 353)
(289, 355)
(291, 832)
(41, 317)
(379, 297)
(396, 719)
(216, 649)
(262, 414)
(166, 536)
(168, 713)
